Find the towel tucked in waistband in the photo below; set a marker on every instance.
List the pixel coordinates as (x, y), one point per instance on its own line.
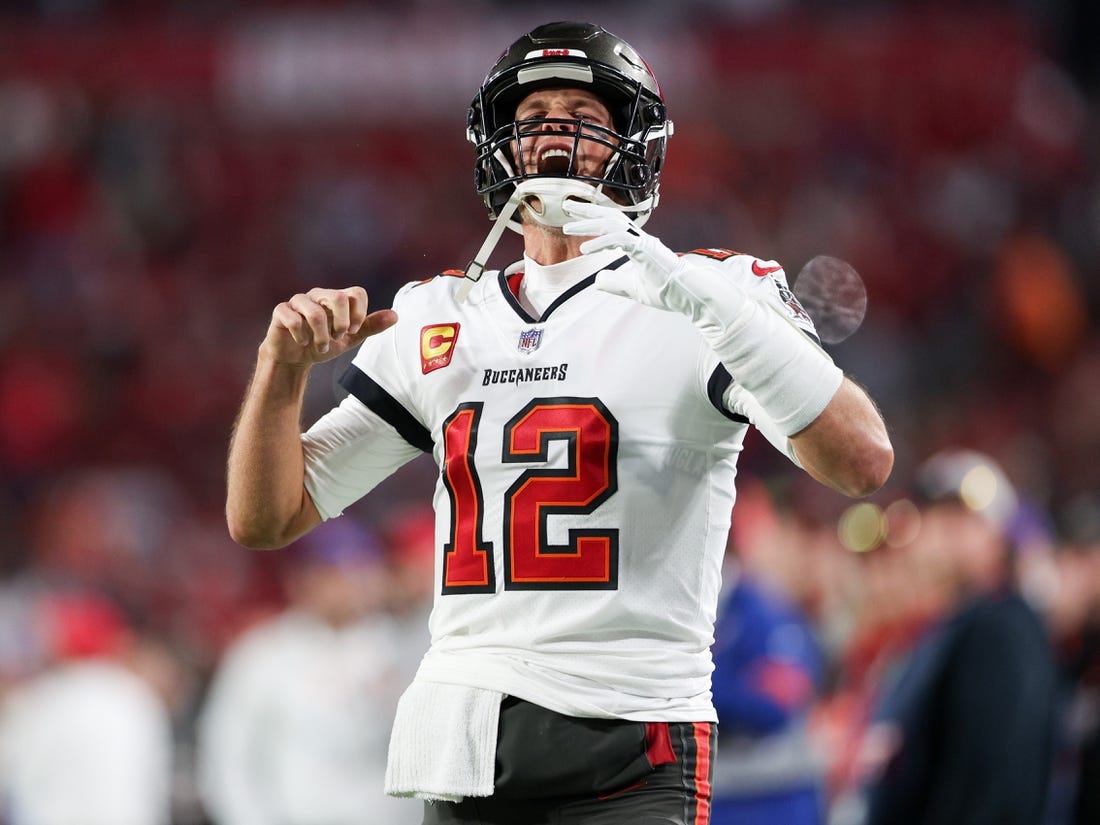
(443, 744)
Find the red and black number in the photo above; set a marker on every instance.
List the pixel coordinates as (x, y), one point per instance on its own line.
(467, 558)
(589, 560)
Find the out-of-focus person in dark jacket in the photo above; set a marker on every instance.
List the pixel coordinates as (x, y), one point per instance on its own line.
(966, 726)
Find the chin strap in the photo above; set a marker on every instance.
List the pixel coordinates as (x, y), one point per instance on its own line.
(476, 267)
(544, 199)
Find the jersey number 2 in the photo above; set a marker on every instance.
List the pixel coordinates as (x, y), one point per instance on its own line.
(589, 560)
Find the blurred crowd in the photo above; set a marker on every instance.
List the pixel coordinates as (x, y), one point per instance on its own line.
(167, 175)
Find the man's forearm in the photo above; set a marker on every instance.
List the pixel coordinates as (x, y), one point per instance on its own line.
(266, 503)
(847, 446)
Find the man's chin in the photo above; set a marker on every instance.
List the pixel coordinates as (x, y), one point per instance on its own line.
(528, 218)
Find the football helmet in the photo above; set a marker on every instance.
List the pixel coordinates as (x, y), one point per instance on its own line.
(584, 56)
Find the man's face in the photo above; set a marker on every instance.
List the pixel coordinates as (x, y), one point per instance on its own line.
(961, 543)
(548, 148)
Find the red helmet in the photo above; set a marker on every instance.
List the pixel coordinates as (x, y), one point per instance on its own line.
(578, 55)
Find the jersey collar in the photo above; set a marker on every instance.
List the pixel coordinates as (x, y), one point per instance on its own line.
(579, 273)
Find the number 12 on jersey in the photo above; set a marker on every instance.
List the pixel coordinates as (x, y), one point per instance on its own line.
(589, 560)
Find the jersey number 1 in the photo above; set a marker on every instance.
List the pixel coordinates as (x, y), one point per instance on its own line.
(589, 560)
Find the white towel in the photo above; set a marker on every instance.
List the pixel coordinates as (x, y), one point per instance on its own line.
(444, 741)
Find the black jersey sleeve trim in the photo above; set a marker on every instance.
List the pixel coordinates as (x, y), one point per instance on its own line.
(386, 407)
(717, 385)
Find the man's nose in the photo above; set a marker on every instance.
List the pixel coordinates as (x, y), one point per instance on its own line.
(561, 115)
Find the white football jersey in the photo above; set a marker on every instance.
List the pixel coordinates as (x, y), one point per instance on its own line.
(587, 462)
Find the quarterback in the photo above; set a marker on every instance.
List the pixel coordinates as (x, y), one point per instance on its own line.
(586, 406)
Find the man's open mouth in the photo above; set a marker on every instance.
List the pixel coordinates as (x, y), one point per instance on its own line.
(553, 162)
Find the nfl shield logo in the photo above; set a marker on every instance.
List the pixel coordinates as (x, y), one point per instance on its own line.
(529, 340)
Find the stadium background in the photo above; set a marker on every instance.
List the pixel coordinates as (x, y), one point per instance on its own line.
(171, 170)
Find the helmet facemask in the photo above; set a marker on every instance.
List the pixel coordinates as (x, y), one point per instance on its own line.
(567, 55)
(628, 178)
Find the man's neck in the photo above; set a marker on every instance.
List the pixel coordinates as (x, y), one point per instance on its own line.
(549, 245)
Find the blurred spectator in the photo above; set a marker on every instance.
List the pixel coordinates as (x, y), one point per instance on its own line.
(295, 727)
(965, 732)
(1072, 611)
(768, 665)
(410, 541)
(88, 741)
(1086, 720)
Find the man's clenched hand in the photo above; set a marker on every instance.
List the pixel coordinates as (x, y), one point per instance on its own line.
(322, 324)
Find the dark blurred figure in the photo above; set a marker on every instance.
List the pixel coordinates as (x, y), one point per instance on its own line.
(1073, 616)
(1086, 808)
(966, 729)
(768, 665)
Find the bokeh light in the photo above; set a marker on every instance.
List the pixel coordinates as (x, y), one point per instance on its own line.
(862, 527)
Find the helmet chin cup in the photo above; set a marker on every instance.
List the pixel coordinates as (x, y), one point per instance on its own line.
(543, 200)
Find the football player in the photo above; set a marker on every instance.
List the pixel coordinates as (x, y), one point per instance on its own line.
(586, 406)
